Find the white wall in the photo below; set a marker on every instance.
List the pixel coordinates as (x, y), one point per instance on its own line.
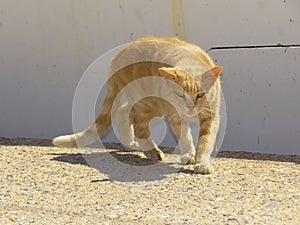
(45, 46)
(262, 96)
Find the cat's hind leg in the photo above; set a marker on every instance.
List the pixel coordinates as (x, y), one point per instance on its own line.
(142, 133)
(126, 127)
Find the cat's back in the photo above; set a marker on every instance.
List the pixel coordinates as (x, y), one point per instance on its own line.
(175, 43)
(169, 51)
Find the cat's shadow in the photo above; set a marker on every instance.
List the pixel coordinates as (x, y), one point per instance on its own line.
(120, 165)
(124, 166)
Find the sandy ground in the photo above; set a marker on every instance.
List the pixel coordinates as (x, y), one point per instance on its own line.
(42, 184)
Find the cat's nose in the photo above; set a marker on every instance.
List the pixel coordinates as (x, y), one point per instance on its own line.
(191, 107)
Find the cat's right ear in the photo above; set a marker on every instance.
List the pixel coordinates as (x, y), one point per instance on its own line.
(168, 73)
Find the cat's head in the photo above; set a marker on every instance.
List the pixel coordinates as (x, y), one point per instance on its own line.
(187, 92)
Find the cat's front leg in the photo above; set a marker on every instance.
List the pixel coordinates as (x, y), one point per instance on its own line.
(183, 134)
(207, 138)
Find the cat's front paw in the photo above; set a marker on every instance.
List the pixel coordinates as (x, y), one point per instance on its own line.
(188, 158)
(155, 155)
(203, 168)
(134, 145)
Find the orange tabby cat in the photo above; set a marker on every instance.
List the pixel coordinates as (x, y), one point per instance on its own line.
(160, 77)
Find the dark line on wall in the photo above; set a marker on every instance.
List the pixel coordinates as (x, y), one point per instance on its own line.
(254, 47)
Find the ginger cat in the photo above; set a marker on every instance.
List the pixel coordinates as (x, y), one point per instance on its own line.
(159, 77)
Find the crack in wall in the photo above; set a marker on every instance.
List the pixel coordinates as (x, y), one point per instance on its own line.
(253, 47)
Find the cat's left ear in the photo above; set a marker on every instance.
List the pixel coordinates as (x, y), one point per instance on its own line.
(168, 73)
(209, 77)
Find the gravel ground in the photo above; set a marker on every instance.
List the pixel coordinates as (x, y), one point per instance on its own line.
(42, 184)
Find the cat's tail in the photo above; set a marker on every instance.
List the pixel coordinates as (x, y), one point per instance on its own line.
(97, 129)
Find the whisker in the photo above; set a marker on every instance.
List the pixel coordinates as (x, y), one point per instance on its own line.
(205, 111)
(172, 116)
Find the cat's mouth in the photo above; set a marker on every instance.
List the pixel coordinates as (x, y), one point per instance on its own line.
(191, 113)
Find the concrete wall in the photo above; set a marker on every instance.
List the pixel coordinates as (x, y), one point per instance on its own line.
(45, 47)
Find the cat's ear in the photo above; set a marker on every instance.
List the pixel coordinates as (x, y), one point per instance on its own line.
(209, 77)
(215, 71)
(168, 72)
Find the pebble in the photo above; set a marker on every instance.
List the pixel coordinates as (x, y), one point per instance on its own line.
(162, 216)
(248, 221)
(233, 219)
(110, 216)
(297, 195)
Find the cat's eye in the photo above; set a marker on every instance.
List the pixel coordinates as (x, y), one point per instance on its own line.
(180, 94)
(199, 95)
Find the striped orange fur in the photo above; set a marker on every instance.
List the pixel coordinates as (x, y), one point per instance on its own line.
(159, 77)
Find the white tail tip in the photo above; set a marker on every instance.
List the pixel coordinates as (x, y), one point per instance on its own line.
(66, 141)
